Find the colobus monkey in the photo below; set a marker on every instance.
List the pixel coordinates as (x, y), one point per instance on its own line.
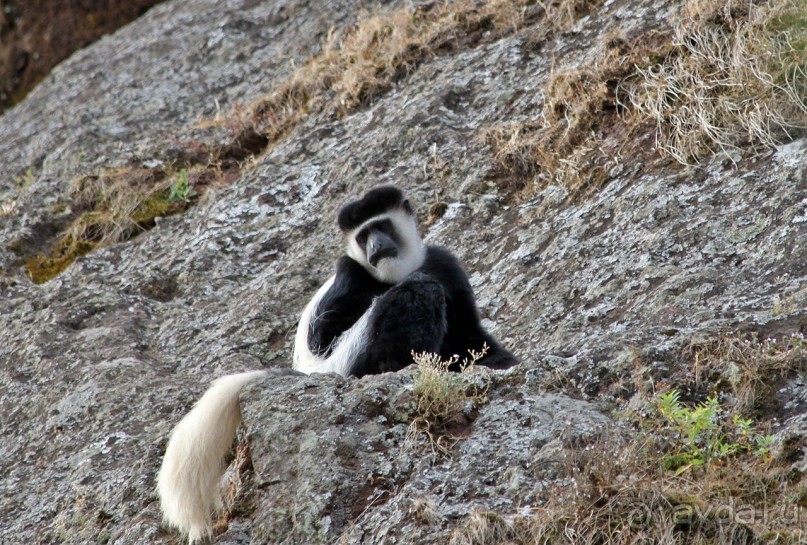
(391, 295)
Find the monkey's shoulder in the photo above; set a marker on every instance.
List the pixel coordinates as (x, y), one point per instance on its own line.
(441, 264)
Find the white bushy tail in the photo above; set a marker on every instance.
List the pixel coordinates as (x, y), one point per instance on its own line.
(188, 482)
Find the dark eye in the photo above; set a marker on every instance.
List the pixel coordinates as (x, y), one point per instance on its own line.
(361, 237)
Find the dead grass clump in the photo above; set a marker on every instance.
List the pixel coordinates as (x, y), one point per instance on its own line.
(112, 207)
(722, 77)
(232, 485)
(745, 500)
(444, 399)
(486, 528)
(426, 511)
(561, 15)
(736, 79)
(366, 60)
(576, 105)
(116, 203)
(554, 17)
(750, 368)
(581, 132)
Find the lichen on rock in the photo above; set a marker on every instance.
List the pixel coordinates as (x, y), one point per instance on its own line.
(603, 295)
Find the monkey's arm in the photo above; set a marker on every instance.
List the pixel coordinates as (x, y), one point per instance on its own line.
(350, 295)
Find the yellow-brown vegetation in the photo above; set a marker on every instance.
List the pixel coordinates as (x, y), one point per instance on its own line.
(365, 60)
(718, 77)
(734, 79)
(111, 207)
(703, 475)
(443, 399)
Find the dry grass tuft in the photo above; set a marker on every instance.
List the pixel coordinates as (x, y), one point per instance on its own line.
(581, 132)
(750, 368)
(554, 17)
(232, 485)
(445, 399)
(111, 207)
(722, 77)
(426, 511)
(485, 528)
(366, 60)
(734, 79)
(115, 204)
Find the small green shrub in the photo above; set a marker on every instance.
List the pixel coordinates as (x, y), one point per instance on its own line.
(701, 436)
(25, 180)
(181, 190)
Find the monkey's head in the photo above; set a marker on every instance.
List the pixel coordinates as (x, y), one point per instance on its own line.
(381, 233)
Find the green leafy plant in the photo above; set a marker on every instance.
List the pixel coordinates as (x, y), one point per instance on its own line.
(24, 180)
(181, 190)
(702, 435)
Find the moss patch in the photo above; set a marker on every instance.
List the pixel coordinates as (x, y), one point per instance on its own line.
(114, 206)
(42, 268)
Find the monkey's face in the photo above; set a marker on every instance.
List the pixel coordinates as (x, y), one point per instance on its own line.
(388, 245)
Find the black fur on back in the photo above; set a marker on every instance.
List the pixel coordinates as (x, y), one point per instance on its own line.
(409, 317)
(465, 331)
(432, 310)
(375, 202)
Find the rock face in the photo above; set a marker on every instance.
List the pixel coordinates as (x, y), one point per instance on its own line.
(39, 34)
(99, 363)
